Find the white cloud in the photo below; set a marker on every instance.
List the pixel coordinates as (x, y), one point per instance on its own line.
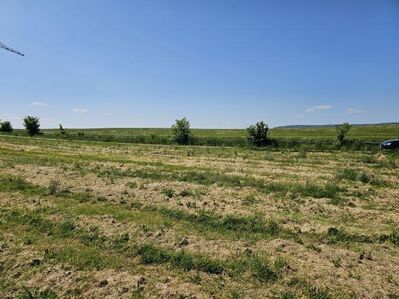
(354, 111)
(80, 110)
(319, 108)
(42, 104)
(107, 113)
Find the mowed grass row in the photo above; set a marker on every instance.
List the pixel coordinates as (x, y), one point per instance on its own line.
(173, 172)
(144, 154)
(112, 253)
(247, 227)
(368, 170)
(63, 244)
(157, 170)
(86, 249)
(65, 206)
(122, 245)
(89, 250)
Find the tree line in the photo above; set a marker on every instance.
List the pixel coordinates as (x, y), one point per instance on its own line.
(31, 124)
(258, 134)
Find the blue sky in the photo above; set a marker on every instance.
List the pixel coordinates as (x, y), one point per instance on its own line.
(223, 64)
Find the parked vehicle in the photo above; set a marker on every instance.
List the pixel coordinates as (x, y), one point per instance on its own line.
(390, 144)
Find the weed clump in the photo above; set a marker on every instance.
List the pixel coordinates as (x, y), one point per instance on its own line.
(308, 289)
(261, 269)
(394, 237)
(26, 293)
(168, 192)
(53, 187)
(185, 193)
(335, 235)
(249, 200)
(250, 223)
(347, 174)
(303, 152)
(150, 254)
(329, 190)
(66, 228)
(351, 174)
(363, 177)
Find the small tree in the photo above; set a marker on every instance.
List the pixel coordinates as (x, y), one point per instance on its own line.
(181, 131)
(62, 130)
(342, 131)
(32, 125)
(6, 126)
(258, 134)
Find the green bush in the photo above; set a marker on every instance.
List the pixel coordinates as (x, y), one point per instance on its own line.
(6, 126)
(32, 125)
(62, 130)
(181, 131)
(257, 134)
(342, 131)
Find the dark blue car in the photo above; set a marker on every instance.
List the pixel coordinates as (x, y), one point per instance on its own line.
(390, 144)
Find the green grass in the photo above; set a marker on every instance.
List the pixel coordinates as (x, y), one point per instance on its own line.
(358, 175)
(319, 137)
(10, 184)
(369, 132)
(150, 254)
(85, 257)
(240, 224)
(262, 270)
(35, 293)
(257, 265)
(309, 290)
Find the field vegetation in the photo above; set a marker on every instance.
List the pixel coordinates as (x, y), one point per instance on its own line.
(357, 137)
(101, 219)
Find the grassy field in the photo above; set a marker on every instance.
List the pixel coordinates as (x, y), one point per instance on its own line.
(226, 137)
(108, 220)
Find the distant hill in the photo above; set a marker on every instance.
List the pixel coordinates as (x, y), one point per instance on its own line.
(332, 126)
